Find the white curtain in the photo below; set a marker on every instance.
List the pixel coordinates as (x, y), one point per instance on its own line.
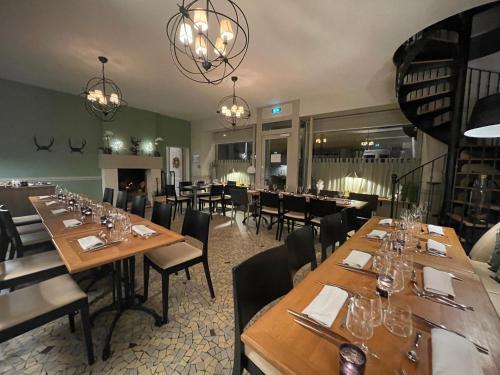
(374, 174)
(233, 170)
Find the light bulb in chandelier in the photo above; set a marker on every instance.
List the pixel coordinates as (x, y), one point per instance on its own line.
(200, 20)
(220, 47)
(226, 30)
(186, 34)
(200, 46)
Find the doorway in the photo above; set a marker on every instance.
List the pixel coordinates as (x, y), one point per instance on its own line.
(275, 162)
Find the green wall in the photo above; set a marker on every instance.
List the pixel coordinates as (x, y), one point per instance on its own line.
(26, 111)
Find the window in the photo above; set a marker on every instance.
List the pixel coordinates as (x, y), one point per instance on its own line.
(234, 151)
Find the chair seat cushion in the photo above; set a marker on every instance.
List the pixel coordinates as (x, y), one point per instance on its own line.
(20, 267)
(183, 199)
(213, 198)
(35, 238)
(295, 215)
(316, 220)
(28, 219)
(172, 255)
(37, 300)
(269, 210)
(30, 228)
(482, 270)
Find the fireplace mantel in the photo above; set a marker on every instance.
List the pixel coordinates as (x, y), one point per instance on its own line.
(110, 161)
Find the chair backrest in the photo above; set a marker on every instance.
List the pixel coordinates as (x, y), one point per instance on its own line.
(200, 183)
(185, 183)
(257, 281)
(300, 249)
(268, 199)
(11, 234)
(333, 230)
(216, 190)
(231, 183)
(329, 193)
(122, 200)
(4, 240)
(108, 195)
(322, 207)
(370, 207)
(239, 196)
(197, 225)
(170, 191)
(294, 203)
(349, 218)
(139, 205)
(162, 214)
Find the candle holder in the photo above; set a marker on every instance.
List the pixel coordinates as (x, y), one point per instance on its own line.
(352, 360)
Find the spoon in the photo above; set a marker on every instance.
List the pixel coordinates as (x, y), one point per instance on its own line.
(412, 353)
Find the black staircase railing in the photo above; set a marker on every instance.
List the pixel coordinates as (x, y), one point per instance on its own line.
(420, 185)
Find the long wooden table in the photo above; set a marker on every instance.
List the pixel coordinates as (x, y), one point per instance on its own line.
(292, 349)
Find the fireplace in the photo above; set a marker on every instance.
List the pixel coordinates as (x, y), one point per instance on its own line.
(133, 181)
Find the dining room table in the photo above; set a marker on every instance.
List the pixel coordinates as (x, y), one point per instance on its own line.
(278, 340)
(119, 254)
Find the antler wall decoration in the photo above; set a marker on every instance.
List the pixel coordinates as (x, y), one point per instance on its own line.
(44, 147)
(77, 149)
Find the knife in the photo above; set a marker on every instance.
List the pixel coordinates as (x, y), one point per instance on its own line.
(354, 269)
(320, 328)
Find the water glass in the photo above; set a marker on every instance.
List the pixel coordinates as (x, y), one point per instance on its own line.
(398, 319)
(359, 319)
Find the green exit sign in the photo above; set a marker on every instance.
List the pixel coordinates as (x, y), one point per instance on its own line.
(276, 110)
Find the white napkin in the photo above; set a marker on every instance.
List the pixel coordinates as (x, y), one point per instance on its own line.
(357, 259)
(436, 246)
(143, 230)
(385, 222)
(50, 203)
(326, 305)
(71, 223)
(436, 229)
(43, 196)
(59, 211)
(438, 282)
(453, 354)
(378, 234)
(90, 243)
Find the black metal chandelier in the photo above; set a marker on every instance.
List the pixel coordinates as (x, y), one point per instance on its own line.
(103, 98)
(233, 109)
(208, 39)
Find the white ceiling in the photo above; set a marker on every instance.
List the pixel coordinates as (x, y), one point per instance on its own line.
(332, 55)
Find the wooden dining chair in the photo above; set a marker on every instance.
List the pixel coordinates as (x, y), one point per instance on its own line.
(35, 305)
(180, 256)
(300, 249)
(257, 282)
(239, 201)
(294, 209)
(122, 200)
(162, 214)
(350, 219)
(329, 193)
(332, 231)
(214, 198)
(364, 213)
(108, 195)
(319, 208)
(138, 205)
(177, 201)
(26, 224)
(269, 205)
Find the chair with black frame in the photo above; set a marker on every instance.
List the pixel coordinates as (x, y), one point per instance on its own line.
(27, 226)
(215, 197)
(35, 305)
(231, 183)
(350, 219)
(239, 201)
(202, 192)
(300, 249)
(184, 188)
(177, 201)
(319, 208)
(257, 282)
(180, 256)
(329, 193)
(162, 214)
(122, 200)
(138, 205)
(108, 195)
(332, 230)
(294, 209)
(270, 205)
(364, 213)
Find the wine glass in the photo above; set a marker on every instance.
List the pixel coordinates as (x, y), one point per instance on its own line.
(359, 320)
(398, 319)
(376, 303)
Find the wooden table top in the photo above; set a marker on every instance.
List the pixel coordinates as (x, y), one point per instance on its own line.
(293, 349)
(76, 260)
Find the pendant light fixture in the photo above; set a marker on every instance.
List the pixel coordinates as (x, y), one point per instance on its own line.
(102, 97)
(484, 121)
(208, 39)
(233, 109)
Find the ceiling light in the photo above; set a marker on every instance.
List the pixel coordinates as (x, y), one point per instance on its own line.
(221, 41)
(102, 97)
(233, 109)
(484, 121)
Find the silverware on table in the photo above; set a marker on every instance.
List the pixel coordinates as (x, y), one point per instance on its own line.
(412, 353)
(319, 326)
(359, 270)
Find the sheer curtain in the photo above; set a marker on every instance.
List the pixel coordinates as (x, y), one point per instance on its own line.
(233, 170)
(374, 174)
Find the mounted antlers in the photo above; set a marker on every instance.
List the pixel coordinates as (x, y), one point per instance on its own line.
(44, 147)
(77, 149)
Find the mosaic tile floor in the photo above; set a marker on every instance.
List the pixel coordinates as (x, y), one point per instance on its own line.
(197, 340)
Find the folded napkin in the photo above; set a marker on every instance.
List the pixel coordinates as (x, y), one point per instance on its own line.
(436, 246)
(50, 203)
(90, 243)
(385, 222)
(59, 211)
(143, 230)
(43, 196)
(326, 305)
(453, 354)
(436, 229)
(357, 259)
(378, 234)
(438, 282)
(71, 223)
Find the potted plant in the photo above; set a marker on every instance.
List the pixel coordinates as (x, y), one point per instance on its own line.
(134, 149)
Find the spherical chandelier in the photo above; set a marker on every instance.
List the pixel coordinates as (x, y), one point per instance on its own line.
(233, 110)
(102, 97)
(208, 39)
